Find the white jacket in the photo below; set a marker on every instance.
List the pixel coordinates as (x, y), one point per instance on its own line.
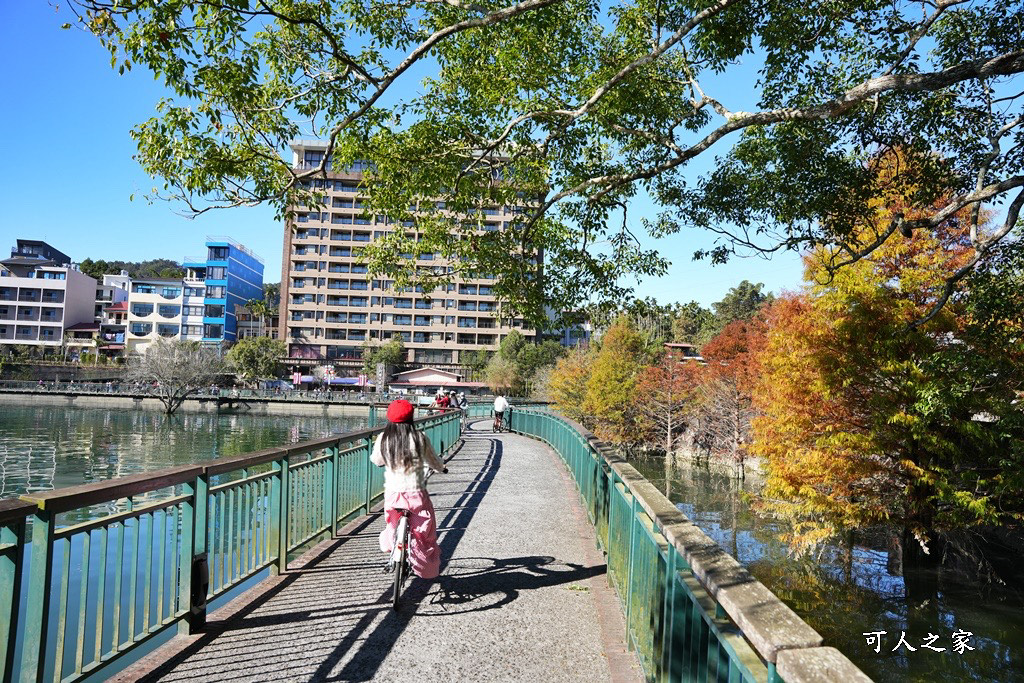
(414, 479)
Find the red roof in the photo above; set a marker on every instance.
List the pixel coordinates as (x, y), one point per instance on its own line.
(471, 385)
(119, 306)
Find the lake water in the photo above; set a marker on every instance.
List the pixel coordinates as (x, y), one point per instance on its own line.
(46, 447)
(859, 587)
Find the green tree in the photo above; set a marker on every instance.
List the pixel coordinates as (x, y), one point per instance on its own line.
(272, 294)
(576, 108)
(513, 366)
(741, 302)
(610, 397)
(477, 360)
(260, 309)
(502, 375)
(163, 268)
(391, 353)
(257, 358)
(692, 323)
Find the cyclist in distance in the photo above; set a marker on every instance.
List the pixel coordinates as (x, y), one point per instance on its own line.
(405, 454)
(501, 406)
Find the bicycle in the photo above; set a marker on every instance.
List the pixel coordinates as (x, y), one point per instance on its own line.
(499, 424)
(398, 562)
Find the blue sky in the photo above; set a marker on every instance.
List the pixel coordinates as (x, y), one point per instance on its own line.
(66, 122)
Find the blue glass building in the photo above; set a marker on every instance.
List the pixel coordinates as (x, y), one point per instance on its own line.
(230, 276)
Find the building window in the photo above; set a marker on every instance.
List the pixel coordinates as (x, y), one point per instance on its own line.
(215, 292)
(169, 311)
(217, 254)
(214, 311)
(141, 329)
(216, 273)
(195, 291)
(213, 331)
(142, 310)
(431, 356)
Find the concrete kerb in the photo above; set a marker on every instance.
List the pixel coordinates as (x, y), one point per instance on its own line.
(818, 664)
(772, 627)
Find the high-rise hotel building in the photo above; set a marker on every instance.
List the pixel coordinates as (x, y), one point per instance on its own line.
(330, 306)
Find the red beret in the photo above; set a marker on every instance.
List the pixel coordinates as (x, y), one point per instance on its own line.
(400, 411)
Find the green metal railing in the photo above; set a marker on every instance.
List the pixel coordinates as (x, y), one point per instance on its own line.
(111, 565)
(679, 632)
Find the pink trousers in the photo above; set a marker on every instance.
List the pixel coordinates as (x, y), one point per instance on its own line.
(424, 553)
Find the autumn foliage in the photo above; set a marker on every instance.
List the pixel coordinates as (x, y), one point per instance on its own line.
(666, 399)
(867, 417)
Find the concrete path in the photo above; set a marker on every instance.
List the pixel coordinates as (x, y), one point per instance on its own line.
(522, 594)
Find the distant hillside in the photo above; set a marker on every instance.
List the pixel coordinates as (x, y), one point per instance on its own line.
(159, 267)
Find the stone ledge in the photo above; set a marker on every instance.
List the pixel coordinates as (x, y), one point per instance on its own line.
(767, 622)
(818, 665)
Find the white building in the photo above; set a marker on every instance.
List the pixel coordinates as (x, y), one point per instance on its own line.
(159, 307)
(42, 295)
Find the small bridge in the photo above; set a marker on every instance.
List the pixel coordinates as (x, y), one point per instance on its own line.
(560, 563)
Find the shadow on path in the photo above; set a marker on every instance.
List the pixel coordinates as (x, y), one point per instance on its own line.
(375, 647)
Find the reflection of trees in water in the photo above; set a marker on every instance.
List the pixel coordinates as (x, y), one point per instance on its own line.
(857, 585)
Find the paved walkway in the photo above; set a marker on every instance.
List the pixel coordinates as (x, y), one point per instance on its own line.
(522, 594)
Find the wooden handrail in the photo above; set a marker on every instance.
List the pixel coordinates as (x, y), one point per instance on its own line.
(73, 497)
(12, 509)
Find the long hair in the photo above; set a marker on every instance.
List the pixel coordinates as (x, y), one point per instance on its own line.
(397, 446)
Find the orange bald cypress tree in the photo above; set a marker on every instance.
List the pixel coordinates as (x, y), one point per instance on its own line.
(867, 418)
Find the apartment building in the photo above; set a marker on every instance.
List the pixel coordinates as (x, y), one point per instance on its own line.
(231, 274)
(250, 325)
(42, 295)
(111, 314)
(162, 308)
(330, 306)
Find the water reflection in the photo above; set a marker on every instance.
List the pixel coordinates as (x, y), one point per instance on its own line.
(42, 448)
(859, 586)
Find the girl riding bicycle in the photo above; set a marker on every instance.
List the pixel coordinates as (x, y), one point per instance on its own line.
(405, 454)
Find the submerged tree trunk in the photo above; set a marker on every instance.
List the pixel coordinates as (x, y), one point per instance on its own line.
(920, 568)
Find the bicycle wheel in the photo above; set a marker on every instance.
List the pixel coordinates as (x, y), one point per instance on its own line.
(402, 538)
